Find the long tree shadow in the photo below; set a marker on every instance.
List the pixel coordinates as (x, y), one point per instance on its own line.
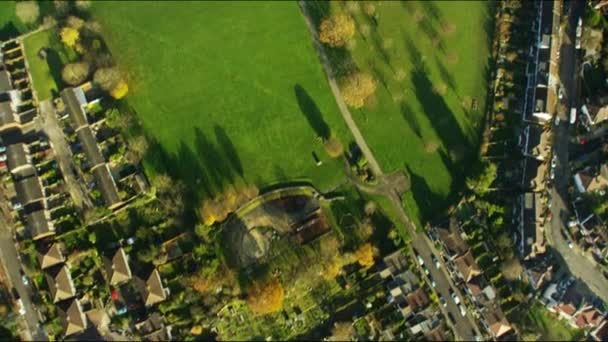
(432, 10)
(427, 201)
(228, 149)
(410, 118)
(439, 114)
(8, 31)
(217, 167)
(445, 75)
(311, 111)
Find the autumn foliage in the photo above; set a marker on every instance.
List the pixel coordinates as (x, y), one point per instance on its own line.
(333, 147)
(356, 88)
(217, 209)
(365, 255)
(336, 30)
(264, 298)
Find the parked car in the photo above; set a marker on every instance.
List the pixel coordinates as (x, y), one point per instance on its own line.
(435, 261)
(463, 309)
(426, 271)
(24, 279)
(18, 301)
(552, 174)
(433, 284)
(570, 244)
(420, 261)
(454, 297)
(442, 301)
(554, 161)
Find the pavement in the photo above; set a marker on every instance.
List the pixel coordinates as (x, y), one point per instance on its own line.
(464, 327)
(578, 264)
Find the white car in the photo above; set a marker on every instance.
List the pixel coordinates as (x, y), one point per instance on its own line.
(463, 310)
(435, 261)
(420, 261)
(552, 174)
(557, 121)
(570, 245)
(454, 297)
(426, 271)
(554, 161)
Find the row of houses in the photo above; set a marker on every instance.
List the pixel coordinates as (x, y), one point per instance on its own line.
(468, 276)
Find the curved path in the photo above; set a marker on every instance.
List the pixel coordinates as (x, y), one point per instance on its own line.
(389, 187)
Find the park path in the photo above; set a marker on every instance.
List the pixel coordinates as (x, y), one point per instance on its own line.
(391, 187)
(348, 118)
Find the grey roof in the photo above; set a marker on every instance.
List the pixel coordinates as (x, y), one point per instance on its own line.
(60, 283)
(6, 114)
(74, 320)
(37, 224)
(73, 106)
(5, 81)
(117, 268)
(28, 190)
(89, 145)
(106, 185)
(16, 156)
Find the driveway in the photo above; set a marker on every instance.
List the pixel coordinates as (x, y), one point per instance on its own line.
(578, 264)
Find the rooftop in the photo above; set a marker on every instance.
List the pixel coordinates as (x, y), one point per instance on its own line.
(60, 283)
(74, 320)
(117, 268)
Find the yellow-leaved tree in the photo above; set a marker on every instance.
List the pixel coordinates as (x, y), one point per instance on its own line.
(267, 297)
(69, 36)
(356, 88)
(336, 30)
(365, 255)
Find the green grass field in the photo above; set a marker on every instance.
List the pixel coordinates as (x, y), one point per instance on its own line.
(429, 59)
(227, 89)
(46, 74)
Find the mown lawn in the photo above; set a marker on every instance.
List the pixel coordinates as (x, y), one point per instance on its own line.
(429, 59)
(46, 73)
(230, 91)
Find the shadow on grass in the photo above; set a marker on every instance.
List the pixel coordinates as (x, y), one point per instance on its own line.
(410, 118)
(311, 111)
(8, 31)
(427, 201)
(55, 65)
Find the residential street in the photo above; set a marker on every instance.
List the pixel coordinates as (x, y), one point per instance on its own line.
(387, 186)
(12, 264)
(579, 265)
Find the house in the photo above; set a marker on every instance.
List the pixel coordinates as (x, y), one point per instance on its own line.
(154, 328)
(436, 334)
(532, 228)
(5, 81)
(394, 264)
(117, 268)
(591, 180)
(29, 190)
(39, 225)
(74, 320)
(453, 243)
(154, 292)
(60, 283)
(51, 256)
(417, 299)
(17, 158)
(497, 324)
(587, 317)
(467, 266)
(565, 310)
(7, 116)
(601, 333)
(107, 185)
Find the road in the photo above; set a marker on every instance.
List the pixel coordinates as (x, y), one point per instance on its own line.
(578, 264)
(464, 327)
(49, 123)
(12, 264)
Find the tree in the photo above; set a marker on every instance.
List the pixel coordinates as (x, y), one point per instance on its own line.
(83, 5)
(163, 183)
(138, 146)
(356, 88)
(333, 147)
(120, 90)
(74, 22)
(69, 36)
(366, 229)
(207, 212)
(75, 73)
(342, 331)
(336, 30)
(365, 255)
(27, 11)
(264, 298)
(107, 78)
(480, 184)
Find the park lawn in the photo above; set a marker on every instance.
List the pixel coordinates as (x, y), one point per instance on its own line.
(46, 74)
(433, 134)
(215, 84)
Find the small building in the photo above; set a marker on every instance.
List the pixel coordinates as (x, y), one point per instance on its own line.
(117, 268)
(154, 292)
(417, 299)
(497, 323)
(5, 81)
(467, 266)
(29, 190)
(450, 236)
(74, 320)
(18, 159)
(38, 224)
(51, 256)
(60, 283)
(7, 116)
(154, 328)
